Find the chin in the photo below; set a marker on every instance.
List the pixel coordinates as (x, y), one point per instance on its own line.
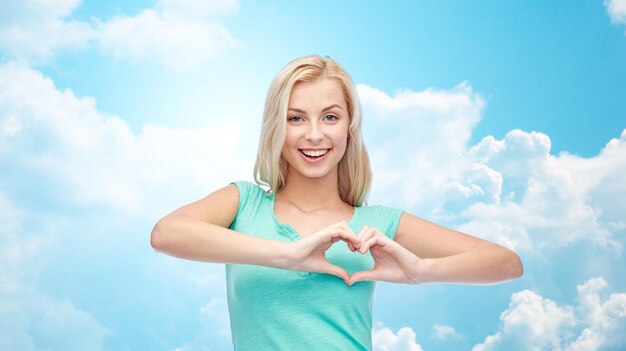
(313, 174)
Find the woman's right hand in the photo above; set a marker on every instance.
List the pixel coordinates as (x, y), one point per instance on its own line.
(309, 253)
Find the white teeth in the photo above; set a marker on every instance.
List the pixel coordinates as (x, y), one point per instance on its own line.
(314, 153)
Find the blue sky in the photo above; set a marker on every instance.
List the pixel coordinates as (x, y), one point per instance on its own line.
(504, 120)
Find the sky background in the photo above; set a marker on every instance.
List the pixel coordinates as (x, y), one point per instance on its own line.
(505, 120)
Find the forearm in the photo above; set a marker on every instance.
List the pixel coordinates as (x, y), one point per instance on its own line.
(487, 263)
(192, 239)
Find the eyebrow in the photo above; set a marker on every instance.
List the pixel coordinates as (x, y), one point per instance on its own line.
(304, 112)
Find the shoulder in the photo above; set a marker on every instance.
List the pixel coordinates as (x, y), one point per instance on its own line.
(246, 187)
(249, 193)
(384, 218)
(379, 210)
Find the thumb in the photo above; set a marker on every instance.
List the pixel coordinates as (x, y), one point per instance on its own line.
(336, 271)
(371, 274)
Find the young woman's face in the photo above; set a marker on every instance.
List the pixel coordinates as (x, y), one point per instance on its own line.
(317, 129)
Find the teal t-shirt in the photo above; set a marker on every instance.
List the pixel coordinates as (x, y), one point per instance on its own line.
(278, 309)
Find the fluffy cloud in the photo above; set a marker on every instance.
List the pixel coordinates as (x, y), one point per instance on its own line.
(616, 10)
(512, 191)
(384, 339)
(56, 324)
(179, 33)
(549, 195)
(430, 131)
(604, 320)
(201, 9)
(216, 311)
(445, 332)
(36, 29)
(215, 333)
(29, 319)
(533, 322)
(61, 152)
(93, 158)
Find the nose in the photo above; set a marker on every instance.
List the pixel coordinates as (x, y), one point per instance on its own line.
(314, 133)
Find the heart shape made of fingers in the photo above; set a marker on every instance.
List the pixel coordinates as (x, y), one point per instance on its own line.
(392, 262)
(317, 253)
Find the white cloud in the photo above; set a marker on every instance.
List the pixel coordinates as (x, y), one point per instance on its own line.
(616, 10)
(202, 9)
(215, 331)
(37, 29)
(96, 159)
(216, 310)
(533, 322)
(179, 33)
(30, 319)
(62, 152)
(416, 116)
(58, 323)
(549, 195)
(512, 191)
(604, 321)
(445, 332)
(384, 339)
(416, 137)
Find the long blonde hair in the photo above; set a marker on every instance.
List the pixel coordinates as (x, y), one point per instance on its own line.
(270, 168)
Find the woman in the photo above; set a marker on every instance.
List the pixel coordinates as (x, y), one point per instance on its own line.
(303, 257)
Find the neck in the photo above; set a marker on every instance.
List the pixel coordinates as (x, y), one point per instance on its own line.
(311, 194)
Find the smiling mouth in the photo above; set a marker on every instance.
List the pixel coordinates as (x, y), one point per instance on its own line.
(314, 154)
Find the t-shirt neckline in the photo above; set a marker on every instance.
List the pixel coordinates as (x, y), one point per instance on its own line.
(290, 228)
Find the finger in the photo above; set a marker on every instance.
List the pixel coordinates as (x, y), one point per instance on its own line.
(351, 246)
(364, 229)
(345, 235)
(362, 232)
(371, 274)
(336, 271)
(374, 240)
(331, 235)
(368, 235)
(355, 244)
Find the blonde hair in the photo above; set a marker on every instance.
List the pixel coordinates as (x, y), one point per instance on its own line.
(270, 168)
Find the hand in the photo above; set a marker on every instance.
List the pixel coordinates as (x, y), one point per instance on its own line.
(392, 262)
(309, 254)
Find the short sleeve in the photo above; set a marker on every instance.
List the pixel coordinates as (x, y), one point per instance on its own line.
(384, 218)
(393, 215)
(244, 190)
(250, 198)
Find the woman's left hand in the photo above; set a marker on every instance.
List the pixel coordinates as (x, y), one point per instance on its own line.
(393, 263)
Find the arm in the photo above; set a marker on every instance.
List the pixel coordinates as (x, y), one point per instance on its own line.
(449, 256)
(199, 231)
(423, 252)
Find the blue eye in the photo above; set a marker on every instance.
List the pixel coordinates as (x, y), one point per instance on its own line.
(295, 119)
(331, 118)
